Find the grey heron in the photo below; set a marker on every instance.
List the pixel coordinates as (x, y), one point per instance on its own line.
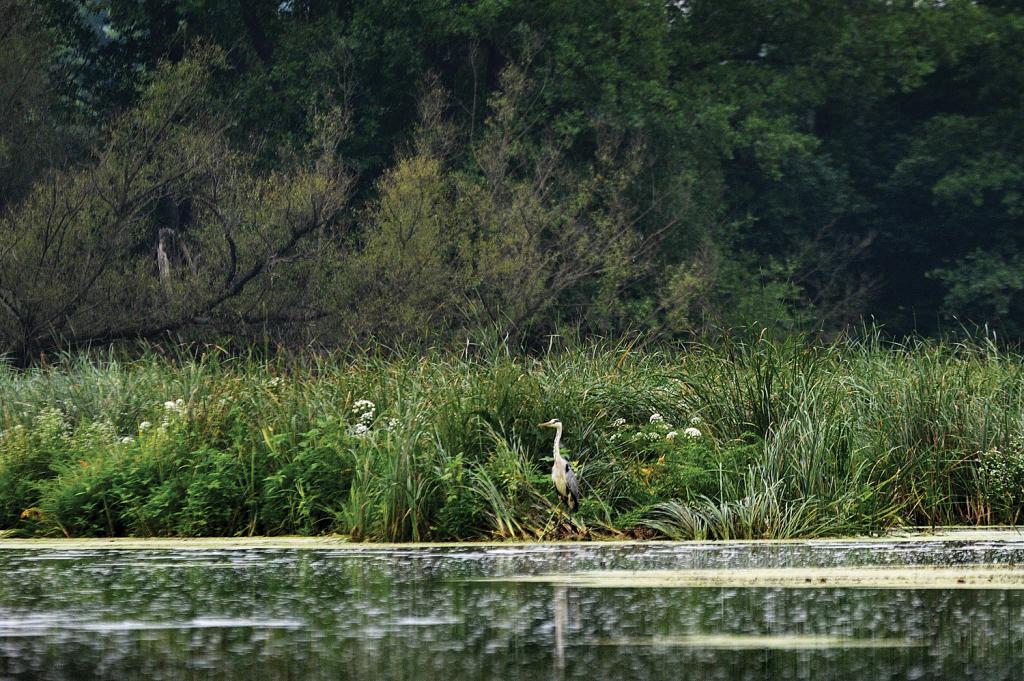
(561, 472)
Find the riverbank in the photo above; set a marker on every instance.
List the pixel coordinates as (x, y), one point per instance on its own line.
(336, 542)
(760, 440)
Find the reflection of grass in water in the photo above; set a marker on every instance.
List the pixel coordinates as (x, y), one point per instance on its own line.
(756, 642)
(967, 577)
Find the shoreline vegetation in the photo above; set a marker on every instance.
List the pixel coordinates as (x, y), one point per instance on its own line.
(764, 439)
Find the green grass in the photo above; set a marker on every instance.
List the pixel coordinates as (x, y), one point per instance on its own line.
(797, 440)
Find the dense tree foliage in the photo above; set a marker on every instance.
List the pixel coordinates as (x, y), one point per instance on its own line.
(337, 172)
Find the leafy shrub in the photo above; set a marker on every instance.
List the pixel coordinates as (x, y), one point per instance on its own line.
(1001, 482)
(29, 455)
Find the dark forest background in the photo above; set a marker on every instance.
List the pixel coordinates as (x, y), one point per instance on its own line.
(353, 172)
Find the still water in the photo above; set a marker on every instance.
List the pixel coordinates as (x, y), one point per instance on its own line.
(459, 613)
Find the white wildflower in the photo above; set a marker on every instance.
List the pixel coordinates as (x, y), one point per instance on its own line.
(144, 426)
(691, 432)
(653, 436)
(656, 417)
(671, 435)
(127, 440)
(391, 424)
(365, 411)
(359, 429)
(359, 406)
(175, 406)
(696, 421)
(618, 423)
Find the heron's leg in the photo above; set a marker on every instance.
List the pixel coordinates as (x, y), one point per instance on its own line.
(565, 516)
(569, 521)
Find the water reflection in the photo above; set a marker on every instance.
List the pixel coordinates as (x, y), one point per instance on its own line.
(561, 617)
(379, 613)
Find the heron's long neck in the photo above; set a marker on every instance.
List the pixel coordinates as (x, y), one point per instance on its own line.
(558, 440)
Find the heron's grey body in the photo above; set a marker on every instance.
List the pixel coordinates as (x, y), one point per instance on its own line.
(561, 472)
